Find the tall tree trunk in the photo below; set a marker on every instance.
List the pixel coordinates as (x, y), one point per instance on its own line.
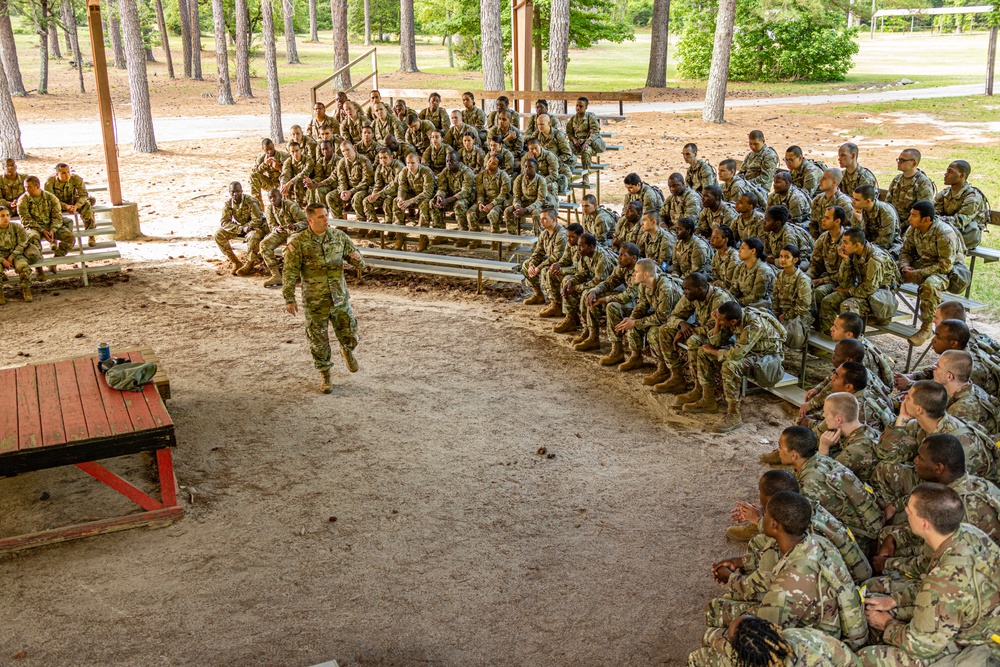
(69, 20)
(8, 53)
(114, 27)
(68, 41)
(10, 131)
(54, 40)
(656, 74)
(491, 34)
(150, 58)
(368, 22)
(407, 38)
(313, 29)
(161, 25)
(271, 65)
(185, 22)
(718, 75)
(558, 50)
(341, 50)
(143, 139)
(536, 60)
(242, 47)
(291, 51)
(221, 54)
(42, 18)
(195, 21)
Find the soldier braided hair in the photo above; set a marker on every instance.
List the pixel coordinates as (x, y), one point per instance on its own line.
(758, 643)
(729, 235)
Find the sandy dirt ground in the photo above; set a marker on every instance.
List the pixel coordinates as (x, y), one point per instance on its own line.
(454, 543)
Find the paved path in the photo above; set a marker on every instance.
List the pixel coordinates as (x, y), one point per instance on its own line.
(87, 133)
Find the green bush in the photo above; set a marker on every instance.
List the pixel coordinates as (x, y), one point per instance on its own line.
(639, 12)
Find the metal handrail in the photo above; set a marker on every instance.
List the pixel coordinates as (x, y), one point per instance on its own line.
(374, 74)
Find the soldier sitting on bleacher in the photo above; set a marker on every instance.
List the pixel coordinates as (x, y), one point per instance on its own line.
(865, 280)
(16, 253)
(962, 206)
(41, 215)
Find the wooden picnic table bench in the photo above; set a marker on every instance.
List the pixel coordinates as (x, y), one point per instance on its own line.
(63, 412)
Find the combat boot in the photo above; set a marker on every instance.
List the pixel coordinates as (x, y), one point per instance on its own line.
(615, 356)
(922, 336)
(584, 335)
(325, 387)
(536, 298)
(743, 532)
(633, 362)
(570, 323)
(2, 300)
(231, 256)
(352, 363)
(245, 270)
(592, 342)
(462, 243)
(771, 459)
(422, 244)
(659, 375)
(26, 293)
(675, 385)
(554, 309)
(400, 240)
(706, 405)
(690, 397)
(473, 245)
(274, 280)
(732, 421)
(92, 241)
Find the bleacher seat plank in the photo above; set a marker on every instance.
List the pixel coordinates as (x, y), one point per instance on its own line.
(792, 393)
(970, 305)
(70, 273)
(452, 271)
(431, 258)
(78, 257)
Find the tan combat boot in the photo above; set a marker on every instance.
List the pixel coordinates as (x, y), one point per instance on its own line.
(583, 335)
(400, 241)
(732, 421)
(554, 309)
(659, 375)
(675, 385)
(771, 459)
(26, 293)
(352, 363)
(274, 280)
(615, 356)
(706, 405)
(634, 361)
(922, 336)
(245, 270)
(536, 298)
(592, 342)
(422, 244)
(743, 532)
(691, 396)
(2, 300)
(325, 387)
(569, 323)
(461, 243)
(231, 256)
(473, 245)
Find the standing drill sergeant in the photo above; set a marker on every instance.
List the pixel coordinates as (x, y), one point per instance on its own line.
(284, 219)
(72, 194)
(530, 195)
(614, 297)
(297, 168)
(316, 255)
(548, 249)
(456, 191)
(414, 188)
(354, 178)
(865, 281)
(761, 162)
(877, 219)
(596, 264)
(493, 190)
(584, 134)
(11, 185)
(16, 253)
(266, 172)
(324, 175)
(241, 217)
(41, 215)
(655, 299)
(384, 190)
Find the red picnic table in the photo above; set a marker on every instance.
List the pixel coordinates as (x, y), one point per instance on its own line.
(57, 413)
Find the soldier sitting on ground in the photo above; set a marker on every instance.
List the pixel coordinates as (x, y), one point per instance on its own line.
(700, 173)
(847, 438)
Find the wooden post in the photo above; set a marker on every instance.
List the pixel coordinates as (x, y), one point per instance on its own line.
(522, 16)
(991, 60)
(104, 100)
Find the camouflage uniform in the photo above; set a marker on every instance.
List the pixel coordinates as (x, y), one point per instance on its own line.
(857, 451)
(753, 285)
(15, 247)
(476, 118)
(434, 158)
(836, 488)
(590, 273)
(806, 177)
(461, 184)
(315, 127)
(491, 189)
(44, 214)
(514, 144)
(935, 254)
(585, 128)
(789, 233)
(355, 178)
(350, 128)
(739, 186)
(420, 139)
(532, 129)
(971, 404)
(310, 147)
(263, 176)
(951, 610)
(324, 177)
(904, 192)
(724, 265)
(756, 338)
(824, 265)
(12, 189)
(708, 219)
(626, 233)
(652, 310)
(548, 250)
(390, 127)
(652, 199)
(702, 311)
(981, 370)
(602, 225)
(243, 220)
(880, 377)
(861, 176)
(869, 279)
(700, 176)
(385, 189)
(819, 205)
(439, 119)
(408, 186)
(293, 172)
(881, 227)
(73, 192)
(796, 201)
(693, 255)
(685, 205)
(658, 246)
(493, 122)
(474, 159)
(559, 144)
(965, 210)
(282, 223)
(548, 167)
(370, 151)
(760, 166)
(506, 160)
(810, 648)
(622, 292)
(532, 195)
(749, 228)
(874, 406)
(569, 263)
(792, 304)
(319, 261)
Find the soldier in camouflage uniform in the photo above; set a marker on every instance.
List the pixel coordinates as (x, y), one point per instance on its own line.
(598, 220)
(16, 253)
(967, 401)
(635, 190)
(504, 156)
(779, 231)
(472, 156)
(41, 215)
(473, 115)
(629, 226)
(436, 153)
(352, 124)
(316, 255)
(734, 185)
(503, 110)
(854, 174)
(376, 103)
(805, 173)
(493, 192)
(566, 265)
(832, 485)
(307, 143)
(324, 174)
(846, 439)
(384, 188)
(933, 257)
(961, 205)
(655, 299)
(753, 282)
(691, 252)
(656, 242)
(437, 116)
(761, 162)
(621, 279)
(795, 200)
(748, 637)
(321, 120)
(955, 335)
(530, 195)
(541, 109)
(852, 377)
(355, 177)
(683, 202)
(241, 218)
(952, 609)
(414, 189)
(909, 186)
(584, 134)
(284, 219)
(555, 140)
(824, 264)
(742, 339)
(700, 173)
(512, 138)
(72, 194)
(851, 325)
(11, 185)
(725, 258)
(865, 282)
(368, 146)
(548, 249)
(456, 191)
(418, 132)
(548, 166)
(385, 125)
(699, 299)
(596, 264)
(877, 219)
(792, 298)
(716, 211)
(829, 195)
(266, 172)
(296, 169)
(749, 221)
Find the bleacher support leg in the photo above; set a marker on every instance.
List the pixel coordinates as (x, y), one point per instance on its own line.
(972, 273)
(479, 281)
